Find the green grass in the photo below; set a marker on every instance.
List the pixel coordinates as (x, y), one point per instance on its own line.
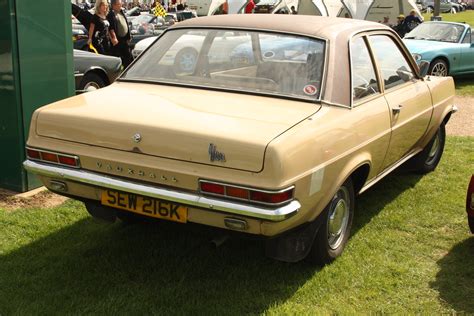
(465, 17)
(410, 252)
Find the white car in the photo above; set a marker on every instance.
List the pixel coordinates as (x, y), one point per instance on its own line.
(184, 52)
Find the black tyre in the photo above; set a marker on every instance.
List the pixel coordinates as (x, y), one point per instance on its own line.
(427, 160)
(102, 212)
(185, 61)
(91, 81)
(438, 67)
(129, 218)
(470, 220)
(335, 227)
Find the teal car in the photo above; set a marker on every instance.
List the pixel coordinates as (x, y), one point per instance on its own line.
(448, 46)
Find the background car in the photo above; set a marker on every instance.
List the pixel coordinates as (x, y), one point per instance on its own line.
(447, 46)
(276, 146)
(184, 53)
(146, 25)
(79, 35)
(446, 6)
(94, 71)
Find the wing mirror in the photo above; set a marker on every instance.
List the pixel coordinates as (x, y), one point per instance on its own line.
(424, 66)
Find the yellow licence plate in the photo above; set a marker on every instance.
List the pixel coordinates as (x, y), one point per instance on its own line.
(145, 206)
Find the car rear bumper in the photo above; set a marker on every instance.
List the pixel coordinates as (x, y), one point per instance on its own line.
(58, 173)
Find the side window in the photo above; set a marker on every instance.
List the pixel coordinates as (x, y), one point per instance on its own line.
(467, 38)
(364, 81)
(394, 67)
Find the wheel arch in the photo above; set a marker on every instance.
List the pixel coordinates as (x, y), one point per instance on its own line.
(359, 176)
(443, 58)
(99, 71)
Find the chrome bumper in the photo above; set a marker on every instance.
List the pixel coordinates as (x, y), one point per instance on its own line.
(94, 179)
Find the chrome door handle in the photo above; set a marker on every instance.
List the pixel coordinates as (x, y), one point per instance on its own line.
(397, 109)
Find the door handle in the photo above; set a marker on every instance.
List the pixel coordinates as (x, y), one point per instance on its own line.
(397, 109)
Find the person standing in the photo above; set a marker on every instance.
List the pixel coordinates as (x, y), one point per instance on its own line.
(412, 21)
(119, 33)
(400, 26)
(99, 28)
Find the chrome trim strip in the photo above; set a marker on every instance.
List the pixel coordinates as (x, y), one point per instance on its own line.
(89, 178)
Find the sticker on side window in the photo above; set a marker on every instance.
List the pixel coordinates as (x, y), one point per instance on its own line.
(310, 89)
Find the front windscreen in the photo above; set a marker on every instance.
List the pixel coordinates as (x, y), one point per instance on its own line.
(248, 61)
(443, 32)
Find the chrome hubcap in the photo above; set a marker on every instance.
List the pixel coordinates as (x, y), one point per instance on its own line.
(187, 62)
(338, 218)
(91, 86)
(440, 70)
(434, 149)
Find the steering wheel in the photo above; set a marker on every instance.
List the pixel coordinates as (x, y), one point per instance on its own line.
(366, 89)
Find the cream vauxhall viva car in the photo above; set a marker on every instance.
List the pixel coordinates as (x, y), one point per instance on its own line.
(276, 144)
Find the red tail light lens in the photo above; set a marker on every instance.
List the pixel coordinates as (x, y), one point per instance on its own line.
(49, 157)
(65, 160)
(237, 192)
(33, 154)
(248, 194)
(213, 188)
(52, 157)
(273, 198)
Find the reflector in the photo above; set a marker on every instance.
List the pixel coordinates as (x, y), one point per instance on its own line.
(271, 197)
(237, 192)
(33, 154)
(212, 188)
(70, 161)
(49, 157)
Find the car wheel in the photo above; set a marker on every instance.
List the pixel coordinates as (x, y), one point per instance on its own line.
(91, 81)
(470, 220)
(335, 227)
(427, 160)
(185, 60)
(439, 68)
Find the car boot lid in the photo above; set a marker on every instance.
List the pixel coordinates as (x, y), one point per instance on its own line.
(210, 127)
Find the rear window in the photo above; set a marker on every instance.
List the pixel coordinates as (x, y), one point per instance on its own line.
(258, 62)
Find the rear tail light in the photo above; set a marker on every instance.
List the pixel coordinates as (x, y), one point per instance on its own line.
(52, 157)
(253, 195)
(49, 157)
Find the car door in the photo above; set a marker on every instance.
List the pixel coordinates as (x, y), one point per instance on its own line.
(408, 97)
(466, 63)
(369, 105)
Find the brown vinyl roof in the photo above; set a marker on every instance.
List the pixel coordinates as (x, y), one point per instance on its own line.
(326, 27)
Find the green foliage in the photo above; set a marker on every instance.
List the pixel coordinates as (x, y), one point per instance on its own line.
(410, 252)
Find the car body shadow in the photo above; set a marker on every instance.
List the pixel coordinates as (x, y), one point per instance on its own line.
(455, 279)
(371, 202)
(146, 268)
(159, 267)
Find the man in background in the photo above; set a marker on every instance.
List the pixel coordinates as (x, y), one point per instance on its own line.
(119, 33)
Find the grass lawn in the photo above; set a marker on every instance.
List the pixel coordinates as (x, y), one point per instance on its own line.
(410, 252)
(465, 17)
